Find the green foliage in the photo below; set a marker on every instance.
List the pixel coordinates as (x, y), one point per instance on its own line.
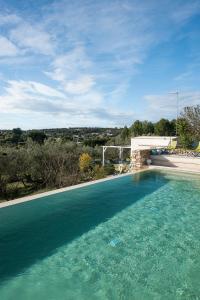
(48, 165)
(185, 138)
(136, 128)
(13, 166)
(164, 128)
(37, 136)
(125, 133)
(147, 128)
(192, 115)
(16, 135)
(95, 142)
(17, 131)
(109, 169)
(99, 172)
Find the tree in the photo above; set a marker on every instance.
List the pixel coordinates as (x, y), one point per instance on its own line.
(163, 128)
(192, 115)
(4, 178)
(185, 138)
(147, 127)
(136, 128)
(173, 124)
(13, 168)
(37, 136)
(17, 131)
(53, 164)
(16, 135)
(85, 161)
(125, 133)
(95, 142)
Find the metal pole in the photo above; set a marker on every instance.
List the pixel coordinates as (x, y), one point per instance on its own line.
(104, 150)
(120, 154)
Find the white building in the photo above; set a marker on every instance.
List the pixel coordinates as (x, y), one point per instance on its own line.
(151, 142)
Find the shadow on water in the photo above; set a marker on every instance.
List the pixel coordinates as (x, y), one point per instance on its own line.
(34, 230)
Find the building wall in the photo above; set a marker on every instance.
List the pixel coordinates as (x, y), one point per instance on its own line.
(150, 142)
(188, 163)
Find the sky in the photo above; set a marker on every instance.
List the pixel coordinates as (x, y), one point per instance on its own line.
(97, 63)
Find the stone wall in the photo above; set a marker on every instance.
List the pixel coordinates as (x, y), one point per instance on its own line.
(139, 158)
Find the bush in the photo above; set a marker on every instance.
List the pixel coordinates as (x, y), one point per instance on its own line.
(85, 161)
(99, 172)
(109, 169)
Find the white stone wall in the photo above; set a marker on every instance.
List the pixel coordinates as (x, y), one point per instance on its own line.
(149, 142)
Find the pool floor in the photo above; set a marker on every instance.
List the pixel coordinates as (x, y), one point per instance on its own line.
(136, 237)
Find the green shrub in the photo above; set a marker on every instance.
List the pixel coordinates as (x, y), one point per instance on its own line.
(99, 172)
(109, 169)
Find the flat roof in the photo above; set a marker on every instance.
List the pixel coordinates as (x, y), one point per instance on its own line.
(154, 137)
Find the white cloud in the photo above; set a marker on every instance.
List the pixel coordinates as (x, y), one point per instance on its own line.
(33, 38)
(79, 86)
(72, 70)
(35, 98)
(27, 95)
(166, 105)
(42, 89)
(69, 65)
(122, 33)
(17, 60)
(7, 48)
(7, 19)
(113, 42)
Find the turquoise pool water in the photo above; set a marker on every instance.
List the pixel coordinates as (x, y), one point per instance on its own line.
(135, 237)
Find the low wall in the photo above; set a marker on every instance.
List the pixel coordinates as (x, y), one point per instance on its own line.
(188, 163)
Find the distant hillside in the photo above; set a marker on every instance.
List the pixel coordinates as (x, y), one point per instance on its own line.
(76, 134)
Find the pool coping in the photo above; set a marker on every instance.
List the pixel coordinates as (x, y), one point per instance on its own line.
(80, 185)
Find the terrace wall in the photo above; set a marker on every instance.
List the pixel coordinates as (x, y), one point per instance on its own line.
(188, 163)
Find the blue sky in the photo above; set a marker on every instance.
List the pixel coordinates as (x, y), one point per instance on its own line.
(96, 63)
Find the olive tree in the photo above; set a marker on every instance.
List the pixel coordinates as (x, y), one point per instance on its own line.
(192, 115)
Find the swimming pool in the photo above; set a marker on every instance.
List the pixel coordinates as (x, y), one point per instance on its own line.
(134, 237)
